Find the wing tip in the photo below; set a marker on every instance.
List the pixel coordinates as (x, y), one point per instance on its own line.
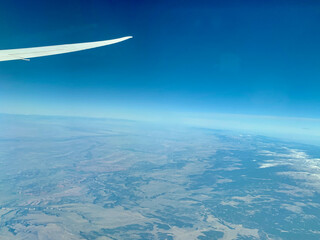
(127, 37)
(121, 39)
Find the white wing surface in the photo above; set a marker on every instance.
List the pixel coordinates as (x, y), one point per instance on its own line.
(26, 53)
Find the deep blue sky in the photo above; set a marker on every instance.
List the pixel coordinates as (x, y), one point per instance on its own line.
(238, 57)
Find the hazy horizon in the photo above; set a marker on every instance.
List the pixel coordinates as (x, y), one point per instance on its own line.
(215, 57)
(205, 125)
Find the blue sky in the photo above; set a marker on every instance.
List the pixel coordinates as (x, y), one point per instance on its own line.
(257, 58)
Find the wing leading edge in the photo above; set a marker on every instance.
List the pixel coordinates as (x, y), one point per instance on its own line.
(26, 53)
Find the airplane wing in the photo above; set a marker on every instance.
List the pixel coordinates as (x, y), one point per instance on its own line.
(26, 53)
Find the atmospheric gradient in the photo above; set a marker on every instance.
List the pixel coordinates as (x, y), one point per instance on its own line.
(204, 125)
